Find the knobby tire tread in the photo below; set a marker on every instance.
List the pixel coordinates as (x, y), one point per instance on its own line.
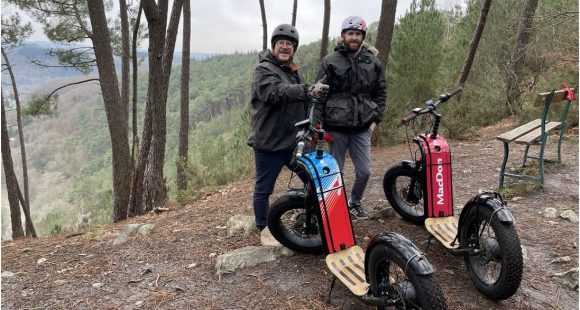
(389, 187)
(510, 278)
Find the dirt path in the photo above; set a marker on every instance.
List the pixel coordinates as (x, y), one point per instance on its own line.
(174, 267)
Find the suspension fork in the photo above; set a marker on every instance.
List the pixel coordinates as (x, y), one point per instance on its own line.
(412, 194)
(310, 205)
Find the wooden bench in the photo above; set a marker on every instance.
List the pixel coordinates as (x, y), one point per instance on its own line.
(536, 133)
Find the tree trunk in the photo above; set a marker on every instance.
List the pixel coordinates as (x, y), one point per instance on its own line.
(30, 231)
(149, 191)
(385, 32)
(117, 114)
(474, 43)
(184, 124)
(514, 71)
(135, 144)
(264, 26)
(325, 25)
(11, 182)
(124, 55)
(294, 10)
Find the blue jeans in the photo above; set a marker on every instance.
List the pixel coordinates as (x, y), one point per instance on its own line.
(359, 148)
(268, 167)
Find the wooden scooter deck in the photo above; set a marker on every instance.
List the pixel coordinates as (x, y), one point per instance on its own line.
(444, 229)
(348, 266)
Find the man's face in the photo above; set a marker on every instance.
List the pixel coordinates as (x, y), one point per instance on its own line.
(283, 51)
(353, 40)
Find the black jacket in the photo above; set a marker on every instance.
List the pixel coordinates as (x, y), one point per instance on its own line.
(357, 95)
(279, 100)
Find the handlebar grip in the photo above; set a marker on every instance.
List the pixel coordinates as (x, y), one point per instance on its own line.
(408, 118)
(455, 92)
(300, 149)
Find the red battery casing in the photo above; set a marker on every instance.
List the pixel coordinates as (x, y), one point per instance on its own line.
(438, 190)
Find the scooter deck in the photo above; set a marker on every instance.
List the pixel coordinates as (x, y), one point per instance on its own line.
(444, 229)
(348, 266)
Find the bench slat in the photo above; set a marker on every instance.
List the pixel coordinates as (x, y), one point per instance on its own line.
(559, 96)
(531, 136)
(517, 132)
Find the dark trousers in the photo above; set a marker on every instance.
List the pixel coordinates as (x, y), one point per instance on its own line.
(268, 167)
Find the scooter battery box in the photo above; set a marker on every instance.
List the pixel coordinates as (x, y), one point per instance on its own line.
(438, 188)
(337, 230)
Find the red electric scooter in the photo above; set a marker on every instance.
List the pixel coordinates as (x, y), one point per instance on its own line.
(420, 190)
(390, 273)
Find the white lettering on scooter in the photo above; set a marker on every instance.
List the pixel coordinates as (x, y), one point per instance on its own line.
(439, 179)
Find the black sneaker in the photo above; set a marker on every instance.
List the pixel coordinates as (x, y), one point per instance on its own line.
(357, 212)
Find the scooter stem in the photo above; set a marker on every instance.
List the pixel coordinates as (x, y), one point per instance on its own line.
(320, 144)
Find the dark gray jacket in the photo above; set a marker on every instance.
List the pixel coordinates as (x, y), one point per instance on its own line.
(357, 95)
(279, 100)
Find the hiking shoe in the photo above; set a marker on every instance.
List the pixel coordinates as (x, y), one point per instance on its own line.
(266, 238)
(357, 212)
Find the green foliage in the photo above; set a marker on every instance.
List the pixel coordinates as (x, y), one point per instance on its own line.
(426, 62)
(41, 106)
(520, 188)
(416, 56)
(14, 31)
(51, 224)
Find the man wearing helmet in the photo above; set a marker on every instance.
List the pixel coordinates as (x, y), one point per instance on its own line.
(355, 104)
(279, 100)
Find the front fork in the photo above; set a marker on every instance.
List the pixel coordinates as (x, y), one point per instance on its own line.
(414, 194)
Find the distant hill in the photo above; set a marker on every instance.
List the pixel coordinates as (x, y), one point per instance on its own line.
(30, 76)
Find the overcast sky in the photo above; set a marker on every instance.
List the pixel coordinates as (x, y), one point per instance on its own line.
(227, 26)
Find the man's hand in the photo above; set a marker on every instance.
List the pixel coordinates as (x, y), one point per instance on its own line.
(320, 89)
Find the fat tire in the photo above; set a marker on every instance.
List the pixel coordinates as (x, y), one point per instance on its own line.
(277, 209)
(389, 187)
(510, 276)
(429, 293)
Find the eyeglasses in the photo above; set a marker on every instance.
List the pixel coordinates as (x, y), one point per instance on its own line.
(282, 43)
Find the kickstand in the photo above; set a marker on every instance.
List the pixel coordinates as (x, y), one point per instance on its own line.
(429, 243)
(330, 291)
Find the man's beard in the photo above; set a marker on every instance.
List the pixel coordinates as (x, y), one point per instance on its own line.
(353, 47)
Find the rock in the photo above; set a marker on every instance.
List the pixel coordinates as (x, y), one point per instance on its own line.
(41, 261)
(551, 213)
(191, 265)
(248, 257)
(526, 253)
(97, 285)
(382, 211)
(130, 230)
(7, 274)
(563, 259)
(59, 282)
(83, 222)
(569, 215)
(242, 225)
(568, 278)
(146, 229)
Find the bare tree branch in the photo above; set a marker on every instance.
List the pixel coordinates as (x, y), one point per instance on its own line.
(70, 84)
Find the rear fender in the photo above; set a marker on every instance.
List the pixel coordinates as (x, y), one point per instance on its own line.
(494, 202)
(411, 254)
